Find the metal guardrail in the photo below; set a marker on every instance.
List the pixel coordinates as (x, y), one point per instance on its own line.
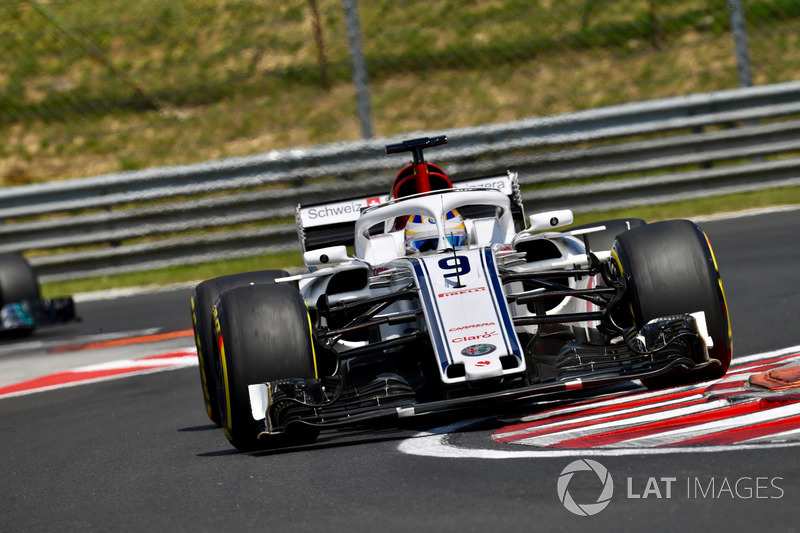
(634, 154)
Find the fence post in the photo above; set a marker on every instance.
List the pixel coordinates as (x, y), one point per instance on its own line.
(322, 58)
(360, 79)
(740, 43)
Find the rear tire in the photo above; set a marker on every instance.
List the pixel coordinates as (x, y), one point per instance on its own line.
(670, 269)
(18, 280)
(264, 334)
(202, 303)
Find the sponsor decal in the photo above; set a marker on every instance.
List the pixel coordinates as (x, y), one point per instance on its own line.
(478, 349)
(501, 183)
(462, 291)
(346, 211)
(483, 363)
(484, 335)
(471, 326)
(333, 211)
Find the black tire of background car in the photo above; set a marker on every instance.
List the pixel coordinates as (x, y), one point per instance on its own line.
(670, 269)
(603, 240)
(264, 333)
(18, 280)
(202, 302)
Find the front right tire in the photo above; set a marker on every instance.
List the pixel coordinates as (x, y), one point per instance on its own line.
(202, 302)
(264, 334)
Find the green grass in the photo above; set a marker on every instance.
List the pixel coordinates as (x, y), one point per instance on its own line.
(191, 273)
(701, 206)
(238, 77)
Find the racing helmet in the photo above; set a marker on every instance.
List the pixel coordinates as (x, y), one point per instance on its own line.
(422, 235)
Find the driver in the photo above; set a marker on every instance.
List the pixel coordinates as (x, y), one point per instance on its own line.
(422, 235)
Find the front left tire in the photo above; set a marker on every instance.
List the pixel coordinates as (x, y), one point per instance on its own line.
(670, 269)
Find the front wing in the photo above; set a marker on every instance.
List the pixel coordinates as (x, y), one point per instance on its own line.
(663, 346)
(21, 318)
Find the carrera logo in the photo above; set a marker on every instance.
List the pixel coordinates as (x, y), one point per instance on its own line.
(485, 335)
(463, 291)
(484, 325)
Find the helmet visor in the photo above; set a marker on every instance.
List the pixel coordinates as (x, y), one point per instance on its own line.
(424, 245)
(456, 241)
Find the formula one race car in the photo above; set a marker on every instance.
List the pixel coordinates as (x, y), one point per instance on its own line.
(442, 295)
(21, 308)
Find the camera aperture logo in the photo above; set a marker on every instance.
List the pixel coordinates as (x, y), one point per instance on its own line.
(585, 509)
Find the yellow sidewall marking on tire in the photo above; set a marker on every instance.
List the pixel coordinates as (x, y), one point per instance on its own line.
(311, 338)
(227, 388)
(224, 365)
(722, 290)
(622, 273)
(203, 377)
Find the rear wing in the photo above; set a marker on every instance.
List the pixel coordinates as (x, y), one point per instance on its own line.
(333, 223)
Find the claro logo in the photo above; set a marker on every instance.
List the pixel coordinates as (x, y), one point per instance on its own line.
(470, 338)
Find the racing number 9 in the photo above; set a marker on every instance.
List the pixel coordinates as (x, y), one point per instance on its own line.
(459, 264)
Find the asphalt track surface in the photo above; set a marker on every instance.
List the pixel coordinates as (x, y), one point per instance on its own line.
(139, 453)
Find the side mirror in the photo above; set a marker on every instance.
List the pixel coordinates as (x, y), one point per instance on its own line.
(326, 256)
(551, 220)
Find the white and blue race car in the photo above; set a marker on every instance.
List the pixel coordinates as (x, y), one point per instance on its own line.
(442, 295)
